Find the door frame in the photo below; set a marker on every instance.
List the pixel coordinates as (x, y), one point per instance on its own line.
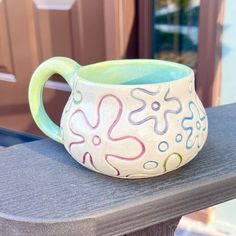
(120, 26)
(145, 20)
(211, 22)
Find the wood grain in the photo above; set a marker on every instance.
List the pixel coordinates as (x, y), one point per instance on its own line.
(43, 191)
(166, 228)
(120, 29)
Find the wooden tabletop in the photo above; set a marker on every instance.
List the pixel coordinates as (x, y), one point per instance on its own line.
(43, 191)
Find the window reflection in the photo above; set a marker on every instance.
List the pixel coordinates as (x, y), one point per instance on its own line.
(176, 31)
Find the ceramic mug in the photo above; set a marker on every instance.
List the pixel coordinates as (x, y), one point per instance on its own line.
(124, 118)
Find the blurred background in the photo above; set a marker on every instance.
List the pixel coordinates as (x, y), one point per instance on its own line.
(198, 33)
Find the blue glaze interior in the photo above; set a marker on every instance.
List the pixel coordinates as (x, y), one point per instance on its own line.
(133, 72)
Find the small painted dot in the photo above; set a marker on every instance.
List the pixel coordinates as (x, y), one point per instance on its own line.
(77, 97)
(96, 140)
(198, 125)
(156, 106)
(178, 138)
(163, 146)
(149, 165)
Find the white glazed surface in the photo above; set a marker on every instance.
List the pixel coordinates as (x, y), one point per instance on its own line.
(134, 131)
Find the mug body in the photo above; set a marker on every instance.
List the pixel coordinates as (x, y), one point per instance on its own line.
(133, 118)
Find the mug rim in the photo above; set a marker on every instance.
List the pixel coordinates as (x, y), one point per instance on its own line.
(186, 69)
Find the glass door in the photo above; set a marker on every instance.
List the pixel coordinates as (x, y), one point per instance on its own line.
(175, 31)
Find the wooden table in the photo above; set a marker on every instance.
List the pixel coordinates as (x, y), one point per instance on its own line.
(43, 191)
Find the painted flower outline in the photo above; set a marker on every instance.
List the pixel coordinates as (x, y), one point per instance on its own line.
(196, 131)
(157, 106)
(94, 137)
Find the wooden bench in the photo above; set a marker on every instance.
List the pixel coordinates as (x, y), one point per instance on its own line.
(43, 191)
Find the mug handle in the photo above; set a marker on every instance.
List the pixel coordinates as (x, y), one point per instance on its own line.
(57, 65)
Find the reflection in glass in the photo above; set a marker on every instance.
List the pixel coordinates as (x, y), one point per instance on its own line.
(175, 33)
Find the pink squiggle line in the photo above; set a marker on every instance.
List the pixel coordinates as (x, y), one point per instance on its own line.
(87, 154)
(90, 125)
(74, 132)
(85, 118)
(122, 138)
(73, 143)
(125, 158)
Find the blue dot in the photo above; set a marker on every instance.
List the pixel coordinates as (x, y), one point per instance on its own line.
(163, 146)
(198, 125)
(178, 138)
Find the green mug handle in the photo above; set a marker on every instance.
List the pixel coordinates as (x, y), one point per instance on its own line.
(57, 65)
